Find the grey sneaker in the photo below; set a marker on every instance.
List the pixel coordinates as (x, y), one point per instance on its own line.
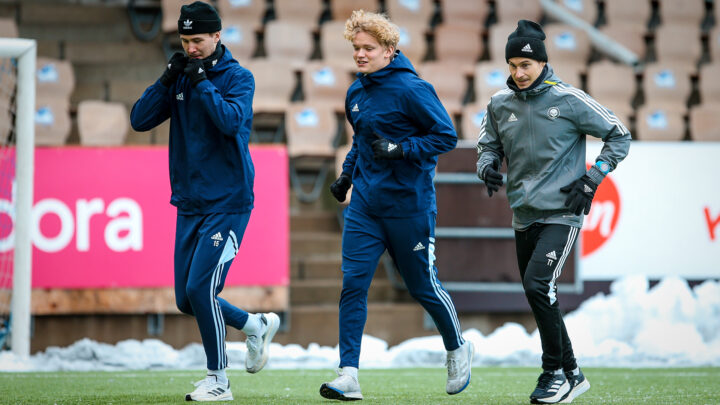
(459, 365)
(210, 390)
(344, 388)
(258, 349)
(578, 383)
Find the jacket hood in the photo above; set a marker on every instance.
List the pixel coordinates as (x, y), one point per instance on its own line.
(540, 85)
(399, 63)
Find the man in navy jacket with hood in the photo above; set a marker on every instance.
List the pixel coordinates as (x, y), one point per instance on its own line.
(400, 127)
(208, 97)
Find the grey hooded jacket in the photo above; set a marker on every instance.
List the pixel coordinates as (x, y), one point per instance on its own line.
(541, 133)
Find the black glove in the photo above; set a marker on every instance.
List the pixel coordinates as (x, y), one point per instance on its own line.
(195, 71)
(174, 67)
(384, 149)
(580, 194)
(340, 187)
(493, 180)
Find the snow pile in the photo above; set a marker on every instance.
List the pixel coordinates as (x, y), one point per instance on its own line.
(668, 325)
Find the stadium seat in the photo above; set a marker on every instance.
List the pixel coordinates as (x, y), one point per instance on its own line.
(274, 85)
(449, 81)
(289, 42)
(412, 42)
(340, 154)
(585, 9)
(708, 83)
(311, 132)
(472, 117)
(510, 11)
(342, 9)
(622, 12)
(467, 13)
(171, 13)
(656, 123)
(251, 12)
(458, 44)
(667, 85)
(325, 84)
(705, 123)
(335, 48)
(629, 35)
(614, 86)
(8, 79)
(55, 78)
(102, 123)
(239, 37)
(6, 115)
(569, 72)
(490, 76)
(566, 44)
(714, 38)
(8, 28)
(678, 44)
(682, 12)
(306, 12)
(497, 39)
(413, 12)
(52, 121)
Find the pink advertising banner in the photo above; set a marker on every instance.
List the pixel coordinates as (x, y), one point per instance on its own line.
(102, 218)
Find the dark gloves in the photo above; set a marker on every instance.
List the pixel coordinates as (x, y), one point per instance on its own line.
(493, 180)
(580, 194)
(195, 71)
(340, 187)
(385, 149)
(174, 67)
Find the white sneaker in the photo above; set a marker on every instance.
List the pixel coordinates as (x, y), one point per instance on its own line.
(258, 345)
(459, 365)
(209, 389)
(345, 388)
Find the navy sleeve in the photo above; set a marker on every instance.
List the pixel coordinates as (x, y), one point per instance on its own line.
(151, 109)
(425, 108)
(349, 164)
(230, 110)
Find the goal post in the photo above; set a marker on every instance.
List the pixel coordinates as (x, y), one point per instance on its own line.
(24, 52)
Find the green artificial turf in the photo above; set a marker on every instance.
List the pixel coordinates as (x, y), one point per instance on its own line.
(490, 385)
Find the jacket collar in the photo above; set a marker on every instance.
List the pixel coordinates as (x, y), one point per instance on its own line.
(546, 79)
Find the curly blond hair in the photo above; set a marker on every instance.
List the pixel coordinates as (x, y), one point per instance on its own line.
(377, 25)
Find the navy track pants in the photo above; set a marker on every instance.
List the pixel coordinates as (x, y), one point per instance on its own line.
(205, 246)
(411, 244)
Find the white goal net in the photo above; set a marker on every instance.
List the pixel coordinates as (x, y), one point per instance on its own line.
(17, 138)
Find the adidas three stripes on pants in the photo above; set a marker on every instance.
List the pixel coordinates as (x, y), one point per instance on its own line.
(411, 244)
(542, 250)
(205, 246)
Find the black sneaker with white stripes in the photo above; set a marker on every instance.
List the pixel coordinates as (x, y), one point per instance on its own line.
(551, 388)
(578, 385)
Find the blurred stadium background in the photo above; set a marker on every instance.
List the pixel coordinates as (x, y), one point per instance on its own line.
(96, 57)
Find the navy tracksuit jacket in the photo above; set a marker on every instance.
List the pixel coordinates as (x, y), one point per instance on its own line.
(393, 201)
(211, 176)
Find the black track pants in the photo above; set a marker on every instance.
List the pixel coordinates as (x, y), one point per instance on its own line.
(542, 250)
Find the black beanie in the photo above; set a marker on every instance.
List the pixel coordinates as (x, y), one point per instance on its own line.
(198, 18)
(526, 42)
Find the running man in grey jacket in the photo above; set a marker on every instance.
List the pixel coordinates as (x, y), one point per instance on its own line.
(539, 125)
